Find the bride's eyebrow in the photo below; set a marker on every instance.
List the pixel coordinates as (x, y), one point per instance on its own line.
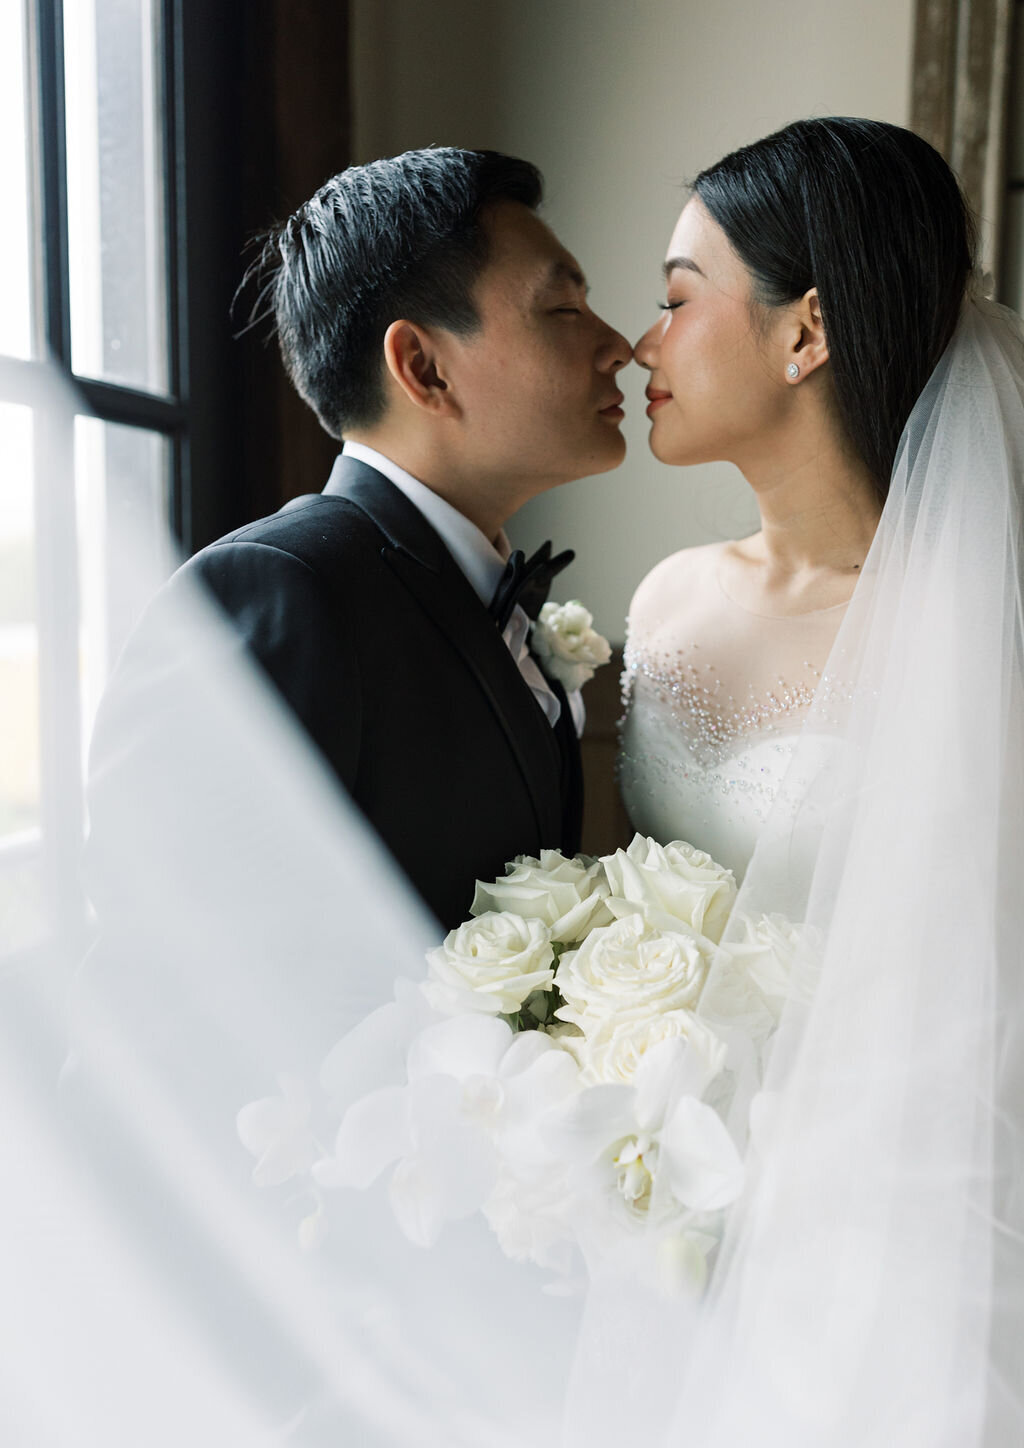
(681, 263)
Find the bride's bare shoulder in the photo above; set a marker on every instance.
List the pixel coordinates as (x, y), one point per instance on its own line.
(677, 582)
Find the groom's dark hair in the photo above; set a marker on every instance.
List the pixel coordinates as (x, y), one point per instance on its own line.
(402, 237)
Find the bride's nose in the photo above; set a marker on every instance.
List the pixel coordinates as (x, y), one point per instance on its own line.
(646, 350)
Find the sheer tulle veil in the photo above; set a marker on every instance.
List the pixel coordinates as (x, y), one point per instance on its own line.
(869, 1288)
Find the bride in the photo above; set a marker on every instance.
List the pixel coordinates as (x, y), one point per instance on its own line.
(834, 708)
(813, 281)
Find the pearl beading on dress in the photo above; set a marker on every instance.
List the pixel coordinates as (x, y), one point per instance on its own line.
(699, 763)
(695, 696)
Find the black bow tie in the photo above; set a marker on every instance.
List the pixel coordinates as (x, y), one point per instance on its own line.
(527, 584)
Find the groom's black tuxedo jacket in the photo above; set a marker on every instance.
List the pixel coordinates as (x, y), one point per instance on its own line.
(371, 632)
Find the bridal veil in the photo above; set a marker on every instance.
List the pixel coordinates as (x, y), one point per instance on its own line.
(869, 1287)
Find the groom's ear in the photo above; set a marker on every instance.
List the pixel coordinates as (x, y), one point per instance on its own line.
(413, 359)
(809, 345)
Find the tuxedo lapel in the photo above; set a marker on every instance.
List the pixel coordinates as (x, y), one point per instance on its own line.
(418, 558)
(402, 522)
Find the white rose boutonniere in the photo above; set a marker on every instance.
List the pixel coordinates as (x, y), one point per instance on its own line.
(567, 646)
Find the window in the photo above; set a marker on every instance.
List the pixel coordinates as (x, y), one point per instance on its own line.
(94, 422)
(122, 392)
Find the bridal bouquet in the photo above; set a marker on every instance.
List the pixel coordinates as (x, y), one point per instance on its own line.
(554, 1069)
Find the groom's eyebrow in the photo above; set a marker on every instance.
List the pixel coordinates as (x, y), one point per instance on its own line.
(562, 271)
(681, 263)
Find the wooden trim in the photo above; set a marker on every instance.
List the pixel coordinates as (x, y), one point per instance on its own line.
(297, 129)
(605, 822)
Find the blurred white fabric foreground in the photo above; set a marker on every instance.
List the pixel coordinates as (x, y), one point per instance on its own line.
(869, 1292)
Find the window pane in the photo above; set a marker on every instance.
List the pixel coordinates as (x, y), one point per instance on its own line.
(16, 330)
(22, 902)
(19, 630)
(116, 191)
(121, 478)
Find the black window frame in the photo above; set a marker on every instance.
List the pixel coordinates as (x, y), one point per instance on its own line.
(109, 401)
(55, 845)
(256, 114)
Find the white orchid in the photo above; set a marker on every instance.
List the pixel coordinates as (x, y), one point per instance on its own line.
(276, 1130)
(373, 1053)
(653, 1151)
(468, 1079)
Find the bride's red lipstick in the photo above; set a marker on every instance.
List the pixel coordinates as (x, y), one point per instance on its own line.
(656, 399)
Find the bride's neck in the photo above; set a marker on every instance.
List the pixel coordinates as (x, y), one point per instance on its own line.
(819, 510)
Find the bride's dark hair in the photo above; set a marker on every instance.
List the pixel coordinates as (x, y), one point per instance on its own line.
(872, 216)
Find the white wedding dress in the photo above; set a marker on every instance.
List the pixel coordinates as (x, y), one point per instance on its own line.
(715, 697)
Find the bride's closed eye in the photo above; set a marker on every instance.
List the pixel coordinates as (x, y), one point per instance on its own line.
(670, 306)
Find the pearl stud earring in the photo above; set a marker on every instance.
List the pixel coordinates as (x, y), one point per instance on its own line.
(793, 371)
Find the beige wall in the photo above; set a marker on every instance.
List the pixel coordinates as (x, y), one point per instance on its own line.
(618, 101)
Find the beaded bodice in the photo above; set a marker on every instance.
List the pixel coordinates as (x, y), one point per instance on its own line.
(714, 698)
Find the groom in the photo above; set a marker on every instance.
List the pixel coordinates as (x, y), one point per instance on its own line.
(437, 326)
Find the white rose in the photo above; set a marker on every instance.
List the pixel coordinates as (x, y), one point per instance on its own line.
(629, 971)
(670, 882)
(567, 645)
(490, 964)
(616, 1051)
(567, 895)
(780, 958)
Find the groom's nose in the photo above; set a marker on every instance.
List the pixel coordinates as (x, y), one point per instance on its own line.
(614, 352)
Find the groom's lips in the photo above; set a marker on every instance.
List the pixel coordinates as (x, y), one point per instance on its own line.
(655, 399)
(613, 409)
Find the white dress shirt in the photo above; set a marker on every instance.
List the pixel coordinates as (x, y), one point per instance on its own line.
(483, 563)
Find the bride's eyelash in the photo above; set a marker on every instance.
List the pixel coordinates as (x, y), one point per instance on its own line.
(670, 306)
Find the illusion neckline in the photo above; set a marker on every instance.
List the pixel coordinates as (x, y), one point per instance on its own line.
(774, 617)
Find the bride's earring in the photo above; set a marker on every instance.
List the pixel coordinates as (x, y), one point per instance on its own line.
(792, 371)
